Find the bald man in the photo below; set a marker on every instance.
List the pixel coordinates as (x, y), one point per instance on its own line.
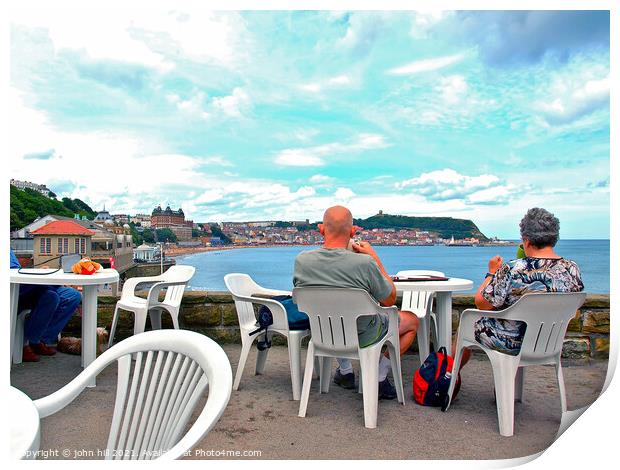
(333, 265)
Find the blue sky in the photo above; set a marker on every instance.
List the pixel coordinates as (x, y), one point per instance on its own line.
(278, 115)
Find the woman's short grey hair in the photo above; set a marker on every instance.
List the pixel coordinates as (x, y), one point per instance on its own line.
(540, 227)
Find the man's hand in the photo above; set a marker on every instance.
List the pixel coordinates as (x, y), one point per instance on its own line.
(365, 248)
(495, 263)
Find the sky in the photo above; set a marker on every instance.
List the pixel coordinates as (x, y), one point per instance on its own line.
(278, 115)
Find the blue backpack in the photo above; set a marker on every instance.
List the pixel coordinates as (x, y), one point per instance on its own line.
(296, 320)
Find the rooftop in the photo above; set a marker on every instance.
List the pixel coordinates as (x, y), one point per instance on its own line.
(63, 227)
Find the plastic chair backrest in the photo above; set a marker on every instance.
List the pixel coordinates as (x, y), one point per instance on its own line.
(333, 314)
(417, 301)
(547, 316)
(157, 393)
(177, 273)
(240, 284)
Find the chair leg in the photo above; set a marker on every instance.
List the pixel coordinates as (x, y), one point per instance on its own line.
(504, 372)
(18, 343)
(326, 374)
(456, 365)
(175, 318)
(261, 356)
(139, 321)
(423, 336)
(317, 368)
(294, 357)
(155, 316)
(305, 391)
(397, 372)
(369, 365)
(245, 351)
(113, 327)
(558, 371)
(519, 380)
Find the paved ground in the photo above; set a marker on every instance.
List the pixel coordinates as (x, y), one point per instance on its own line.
(261, 416)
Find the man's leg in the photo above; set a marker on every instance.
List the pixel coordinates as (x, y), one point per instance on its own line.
(69, 301)
(41, 315)
(407, 330)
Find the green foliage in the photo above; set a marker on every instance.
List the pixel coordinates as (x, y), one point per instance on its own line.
(27, 205)
(166, 235)
(216, 232)
(135, 235)
(148, 236)
(446, 227)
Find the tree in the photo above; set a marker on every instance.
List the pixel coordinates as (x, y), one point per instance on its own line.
(148, 236)
(135, 235)
(216, 232)
(166, 235)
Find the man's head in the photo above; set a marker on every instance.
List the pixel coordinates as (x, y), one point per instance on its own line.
(337, 225)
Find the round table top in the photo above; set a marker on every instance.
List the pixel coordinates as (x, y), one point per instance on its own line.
(452, 284)
(24, 422)
(107, 276)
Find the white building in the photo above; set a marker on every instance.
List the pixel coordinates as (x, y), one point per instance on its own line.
(145, 253)
(41, 188)
(143, 219)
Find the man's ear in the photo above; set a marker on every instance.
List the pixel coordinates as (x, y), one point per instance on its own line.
(354, 229)
(322, 229)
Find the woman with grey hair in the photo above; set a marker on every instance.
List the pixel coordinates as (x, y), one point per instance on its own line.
(541, 270)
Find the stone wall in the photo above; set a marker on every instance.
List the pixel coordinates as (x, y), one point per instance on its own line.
(214, 314)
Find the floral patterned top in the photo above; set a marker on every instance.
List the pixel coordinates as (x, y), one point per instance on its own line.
(520, 276)
(511, 281)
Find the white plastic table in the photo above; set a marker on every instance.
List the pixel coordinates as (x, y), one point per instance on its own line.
(89, 285)
(24, 422)
(443, 294)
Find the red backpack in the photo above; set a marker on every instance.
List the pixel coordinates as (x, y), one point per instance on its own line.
(432, 380)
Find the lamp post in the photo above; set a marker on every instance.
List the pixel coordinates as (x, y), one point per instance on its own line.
(161, 258)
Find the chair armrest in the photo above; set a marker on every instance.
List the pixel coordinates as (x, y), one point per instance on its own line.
(129, 286)
(274, 292)
(153, 295)
(280, 319)
(392, 313)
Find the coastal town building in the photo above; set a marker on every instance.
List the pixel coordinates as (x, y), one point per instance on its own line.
(144, 220)
(146, 253)
(109, 243)
(121, 218)
(102, 216)
(40, 188)
(173, 220)
(58, 238)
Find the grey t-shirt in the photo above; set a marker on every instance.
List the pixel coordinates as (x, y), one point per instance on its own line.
(339, 267)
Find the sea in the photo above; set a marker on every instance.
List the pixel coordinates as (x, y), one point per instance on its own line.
(272, 267)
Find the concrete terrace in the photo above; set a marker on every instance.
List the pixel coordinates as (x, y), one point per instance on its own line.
(262, 417)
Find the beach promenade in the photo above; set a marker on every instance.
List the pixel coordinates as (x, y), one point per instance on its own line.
(261, 418)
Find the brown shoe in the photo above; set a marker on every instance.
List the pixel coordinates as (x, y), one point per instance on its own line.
(29, 355)
(42, 349)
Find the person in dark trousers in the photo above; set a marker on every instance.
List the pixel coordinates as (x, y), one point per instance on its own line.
(51, 307)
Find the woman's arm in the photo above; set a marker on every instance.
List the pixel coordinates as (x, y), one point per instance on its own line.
(481, 303)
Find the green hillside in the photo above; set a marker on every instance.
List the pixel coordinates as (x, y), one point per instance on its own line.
(446, 227)
(27, 205)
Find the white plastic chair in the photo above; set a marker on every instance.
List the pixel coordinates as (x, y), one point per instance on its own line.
(333, 314)
(421, 304)
(173, 280)
(242, 287)
(18, 342)
(547, 316)
(157, 394)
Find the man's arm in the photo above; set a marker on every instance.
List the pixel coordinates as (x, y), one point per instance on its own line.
(365, 248)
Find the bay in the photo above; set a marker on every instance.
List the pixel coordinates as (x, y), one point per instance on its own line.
(272, 267)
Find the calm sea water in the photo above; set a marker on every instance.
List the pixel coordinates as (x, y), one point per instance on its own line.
(273, 267)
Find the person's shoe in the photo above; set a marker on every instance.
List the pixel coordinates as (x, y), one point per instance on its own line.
(29, 355)
(42, 349)
(345, 380)
(386, 390)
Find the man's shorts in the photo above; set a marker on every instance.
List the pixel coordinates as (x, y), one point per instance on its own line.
(371, 329)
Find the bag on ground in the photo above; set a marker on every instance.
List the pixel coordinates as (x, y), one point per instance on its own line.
(432, 380)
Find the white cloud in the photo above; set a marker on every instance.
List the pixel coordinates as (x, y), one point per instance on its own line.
(151, 37)
(426, 65)
(575, 100)
(193, 106)
(318, 178)
(315, 156)
(447, 184)
(329, 83)
(234, 105)
(217, 160)
(344, 194)
(453, 88)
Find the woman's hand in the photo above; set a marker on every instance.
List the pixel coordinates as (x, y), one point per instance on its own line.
(495, 263)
